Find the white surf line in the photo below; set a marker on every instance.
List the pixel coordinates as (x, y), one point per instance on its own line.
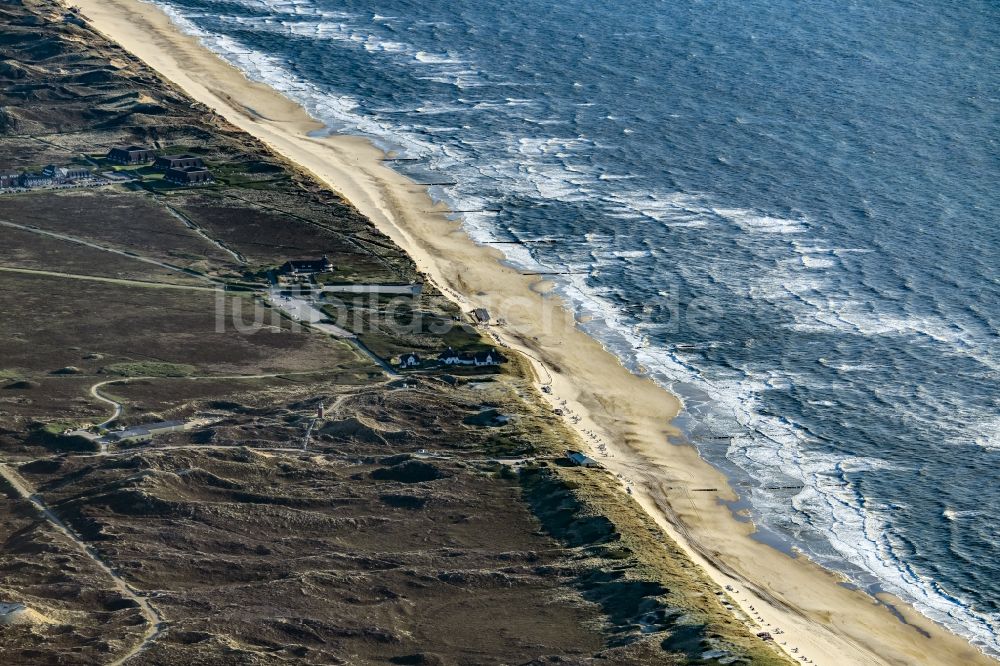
(104, 248)
(155, 624)
(591, 436)
(97, 278)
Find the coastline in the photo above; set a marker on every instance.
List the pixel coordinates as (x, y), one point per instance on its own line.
(819, 616)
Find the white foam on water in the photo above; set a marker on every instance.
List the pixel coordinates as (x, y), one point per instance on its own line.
(688, 224)
(830, 508)
(817, 262)
(986, 433)
(436, 58)
(752, 222)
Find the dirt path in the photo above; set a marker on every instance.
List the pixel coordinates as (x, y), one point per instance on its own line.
(105, 248)
(193, 226)
(95, 278)
(155, 623)
(118, 407)
(189, 447)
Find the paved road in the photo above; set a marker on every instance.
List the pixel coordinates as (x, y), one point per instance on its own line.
(360, 346)
(303, 311)
(118, 407)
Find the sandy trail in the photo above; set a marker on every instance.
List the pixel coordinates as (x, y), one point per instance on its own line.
(154, 620)
(822, 620)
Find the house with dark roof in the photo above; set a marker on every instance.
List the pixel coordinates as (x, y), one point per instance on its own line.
(479, 359)
(307, 266)
(491, 357)
(177, 162)
(10, 180)
(130, 155)
(449, 357)
(59, 173)
(192, 175)
(35, 180)
(411, 360)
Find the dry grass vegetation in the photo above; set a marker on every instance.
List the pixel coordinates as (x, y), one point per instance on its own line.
(408, 526)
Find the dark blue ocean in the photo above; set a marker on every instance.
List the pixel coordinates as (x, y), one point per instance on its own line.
(785, 212)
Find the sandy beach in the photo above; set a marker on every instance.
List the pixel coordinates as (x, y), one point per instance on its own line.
(623, 418)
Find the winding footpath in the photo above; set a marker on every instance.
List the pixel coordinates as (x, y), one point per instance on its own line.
(114, 403)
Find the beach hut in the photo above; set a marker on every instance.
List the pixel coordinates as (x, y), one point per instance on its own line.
(580, 460)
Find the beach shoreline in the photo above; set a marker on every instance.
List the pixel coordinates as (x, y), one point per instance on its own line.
(820, 617)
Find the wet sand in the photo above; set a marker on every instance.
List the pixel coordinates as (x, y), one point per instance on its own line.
(821, 619)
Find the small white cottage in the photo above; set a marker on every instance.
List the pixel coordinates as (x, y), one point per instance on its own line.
(410, 360)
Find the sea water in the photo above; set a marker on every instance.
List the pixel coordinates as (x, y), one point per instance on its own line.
(784, 212)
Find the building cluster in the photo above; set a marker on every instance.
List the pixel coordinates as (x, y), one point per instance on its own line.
(52, 175)
(177, 169)
(478, 359)
(451, 357)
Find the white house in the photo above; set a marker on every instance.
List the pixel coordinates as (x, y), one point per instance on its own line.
(449, 357)
(410, 360)
(491, 357)
(479, 359)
